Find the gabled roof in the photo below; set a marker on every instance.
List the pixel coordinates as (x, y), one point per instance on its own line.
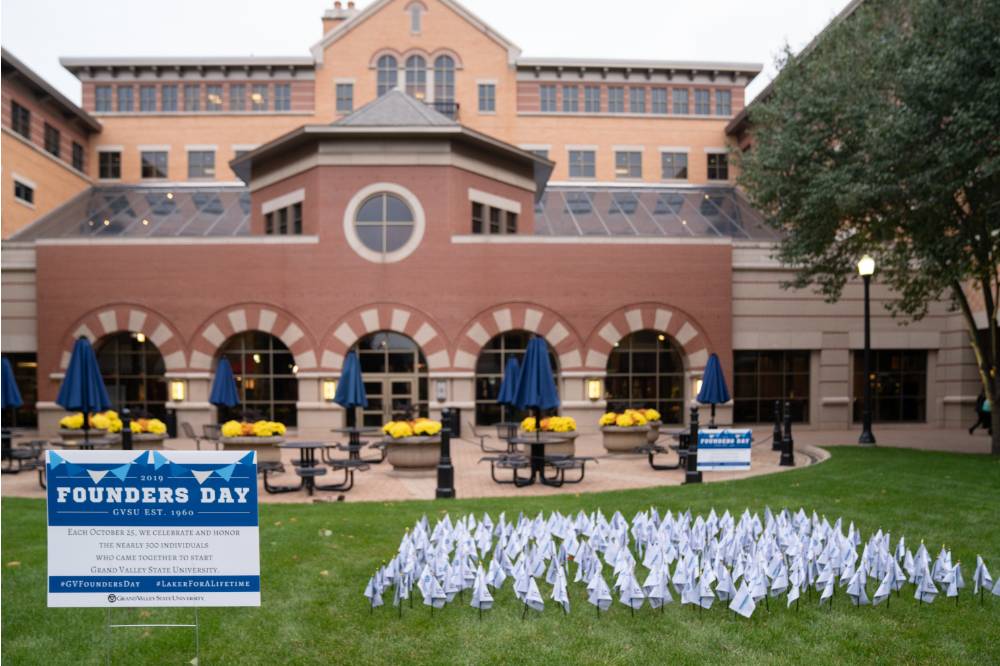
(45, 89)
(513, 51)
(396, 109)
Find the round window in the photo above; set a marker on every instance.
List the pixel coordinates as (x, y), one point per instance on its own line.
(384, 223)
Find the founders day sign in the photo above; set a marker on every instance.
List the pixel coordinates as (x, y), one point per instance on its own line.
(151, 528)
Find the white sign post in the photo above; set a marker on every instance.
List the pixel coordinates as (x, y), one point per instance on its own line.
(152, 528)
(724, 450)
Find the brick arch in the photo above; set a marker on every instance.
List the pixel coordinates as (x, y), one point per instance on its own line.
(127, 317)
(373, 63)
(233, 319)
(519, 316)
(684, 329)
(395, 317)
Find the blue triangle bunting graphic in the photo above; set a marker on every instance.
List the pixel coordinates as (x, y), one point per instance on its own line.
(158, 460)
(139, 461)
(247, 459)
(121, 472)
(55, 460)
(226, 472)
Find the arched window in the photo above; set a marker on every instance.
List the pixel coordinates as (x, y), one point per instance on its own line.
(384, 223)
(646, 370)
(489, 375)
(395, 375)
(416, 76)
(388, 73)
(133, 373)
(444, 80)
(265, 378)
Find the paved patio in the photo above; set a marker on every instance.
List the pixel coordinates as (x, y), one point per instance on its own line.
(612, 472)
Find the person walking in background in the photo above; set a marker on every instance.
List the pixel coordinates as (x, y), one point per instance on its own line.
(983, 414)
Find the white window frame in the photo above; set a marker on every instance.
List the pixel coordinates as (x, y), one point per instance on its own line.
(351, 234)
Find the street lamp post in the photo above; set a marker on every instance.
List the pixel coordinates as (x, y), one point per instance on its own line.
(866, 267)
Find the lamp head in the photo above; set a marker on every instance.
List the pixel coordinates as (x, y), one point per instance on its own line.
(866, 266)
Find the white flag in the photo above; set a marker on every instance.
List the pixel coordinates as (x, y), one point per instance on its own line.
(533, 598)
(981, 579)
(743, 602)
(481, 597)
(559, 593)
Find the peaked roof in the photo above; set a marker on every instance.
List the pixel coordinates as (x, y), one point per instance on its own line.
(513, 51)
(44, 89)
(396, 109)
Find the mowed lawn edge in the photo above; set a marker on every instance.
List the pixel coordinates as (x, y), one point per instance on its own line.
(316, 558)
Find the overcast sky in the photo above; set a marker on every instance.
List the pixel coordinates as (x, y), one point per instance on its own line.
(40, 31)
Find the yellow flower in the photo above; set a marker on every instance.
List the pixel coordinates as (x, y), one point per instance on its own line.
(400, 429)
(528, 424)
(111, 414)
(652, 415)
(278, 428)
(624, 420)
(263, 429)
(232, 429)
(608, 419)
(73, 421)
(561, 424)
(114, 423)
(136, 427)
(387, 428)
(100, 421)
(426, 427)
(156, 426)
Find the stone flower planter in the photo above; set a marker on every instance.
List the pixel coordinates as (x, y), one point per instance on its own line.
(144, 441)
(73, 437)
(624, 440)
(567, 448)
(266, 447)
(413, 452)
(653, 432)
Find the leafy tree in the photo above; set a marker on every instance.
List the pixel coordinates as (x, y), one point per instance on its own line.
(884, 138)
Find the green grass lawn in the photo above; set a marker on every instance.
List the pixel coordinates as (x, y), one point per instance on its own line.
(313, 610)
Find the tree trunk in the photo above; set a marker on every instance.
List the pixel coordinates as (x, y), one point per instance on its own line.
(995, 420)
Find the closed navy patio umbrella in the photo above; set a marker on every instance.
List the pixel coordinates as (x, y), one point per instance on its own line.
(713, 386)
(536, 388)
(11, 396)
(351, 388)
(83, 388)
(224, 393)
(508, 387)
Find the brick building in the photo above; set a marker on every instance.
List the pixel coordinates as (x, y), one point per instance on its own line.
(418, 190)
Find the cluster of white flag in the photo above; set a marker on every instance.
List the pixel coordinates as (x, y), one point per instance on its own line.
(700, 559)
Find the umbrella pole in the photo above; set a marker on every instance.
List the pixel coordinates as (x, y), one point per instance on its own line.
(712, 420)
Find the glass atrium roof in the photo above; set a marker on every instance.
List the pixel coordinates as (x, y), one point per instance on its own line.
(141, 212)
(680, 212)
(563, 210)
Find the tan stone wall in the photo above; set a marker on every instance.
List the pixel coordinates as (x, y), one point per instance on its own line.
(56, 183)
(765, 316)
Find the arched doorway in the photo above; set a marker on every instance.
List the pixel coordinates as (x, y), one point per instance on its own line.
(133, 372)
(395, 375)
(489, 375)
(645, 369)
(266, 379)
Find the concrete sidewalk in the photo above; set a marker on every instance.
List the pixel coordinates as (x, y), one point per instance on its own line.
(612, 472)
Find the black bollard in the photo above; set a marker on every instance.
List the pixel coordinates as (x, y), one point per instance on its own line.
(787, 445)
(126, 417)
(446, 473)
(776, 438)
(692, 475)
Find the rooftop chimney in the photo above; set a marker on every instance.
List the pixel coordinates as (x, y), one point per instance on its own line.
(332, 18)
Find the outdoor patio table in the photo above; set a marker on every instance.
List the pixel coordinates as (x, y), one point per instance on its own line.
(538, 461)
(354, 442)
(307, 462)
